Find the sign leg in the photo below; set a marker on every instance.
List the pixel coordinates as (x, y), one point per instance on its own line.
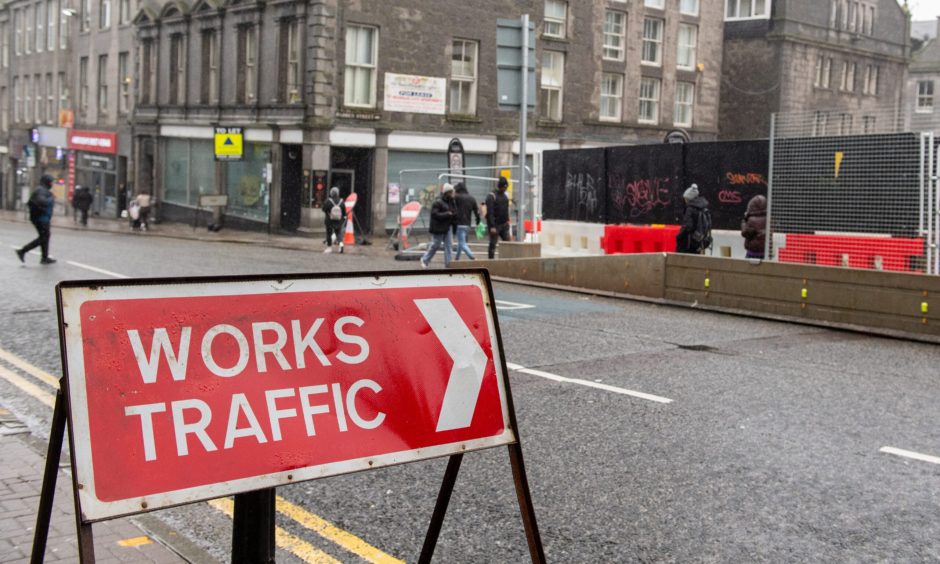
(525, 504)
(253, 528)
(49, 477)
(440, 508)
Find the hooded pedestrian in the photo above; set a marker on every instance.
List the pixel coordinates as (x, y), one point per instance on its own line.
(754, 227)
(333, 209)
(695, 234)
(443, 217)
(497, 215)
(41, 204)
(466, 208)
(82, 201)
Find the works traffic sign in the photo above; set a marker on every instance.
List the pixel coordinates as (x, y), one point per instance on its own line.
(229, 143)
(182, 390)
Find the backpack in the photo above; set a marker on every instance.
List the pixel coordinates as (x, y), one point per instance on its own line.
(703, 229)
(336, 212)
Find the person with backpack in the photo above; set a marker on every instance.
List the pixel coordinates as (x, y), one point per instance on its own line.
(333, 209)
(754, 227)
(695, 234)
(497, 215)
(82, 201)
(443, 216)
(466, 207)
(41, 204)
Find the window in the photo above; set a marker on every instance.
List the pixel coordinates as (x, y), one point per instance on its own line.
(51, 18)
(209, 93)
(820, 121)
(869, 23)
(18, 31)
(4, 45)
(819, 71)
(146, 71)
(848, 77)
(868, 124)
(27, 99)
(853, 15)
(611, 96)
(361, 54)
(38, 105)
(63, 93)
(556, 18)
(746, 9)
(688, 39)
(463, 77)
(685, 102)
(827, 72)
(124, 83)
(845, 124)
(40, 27)
(28, 34)
(872, 81)
(17, 101)
(50, 101)
(924, 96)
(85, 15)
(83, 85)
(124, 11)
(247, 88)
(652, 41)
(655, 4)
(104, 14)
(4, 123)
(689, 7)
(177, 69)
(649, 100)
(615, 24)
(553, 80)
(63, 29)
(289, 61)
(103, 84)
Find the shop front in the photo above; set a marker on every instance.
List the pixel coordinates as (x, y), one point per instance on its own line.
(94, 163)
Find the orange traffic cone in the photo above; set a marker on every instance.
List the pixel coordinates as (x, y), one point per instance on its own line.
(349, 238)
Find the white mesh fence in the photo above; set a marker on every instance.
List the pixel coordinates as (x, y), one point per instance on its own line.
(857, 190)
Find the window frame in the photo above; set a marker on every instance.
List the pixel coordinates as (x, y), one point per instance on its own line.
(209, 89)
(550, 91)
(609, 32)
(83, 85)
(39, 13)
(84, 16)
(924, 101)
(124, 84)
(690, 12)
(561, 21)
(652, 43)
(684, 105)
(51, 19)
(177, 71)
(288, 48)
(655, 4)
(124, 12)
(611, 99)
(50, 101)
(369, 68)
(102, 85)
(17, 100)
(754, 15)
(649, 102)
(458, 82)
(690, 49)
(104, 14)
(27, 18)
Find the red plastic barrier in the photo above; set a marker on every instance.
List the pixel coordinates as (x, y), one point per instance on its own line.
(829, 250)
(527, 225)
(630, 239)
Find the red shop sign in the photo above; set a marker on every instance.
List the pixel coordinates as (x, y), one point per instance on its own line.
(93, 141)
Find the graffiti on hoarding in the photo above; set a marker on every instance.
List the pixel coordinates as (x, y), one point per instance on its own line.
(642, 196)
(581, 193)
(730, 197)
(747, 178)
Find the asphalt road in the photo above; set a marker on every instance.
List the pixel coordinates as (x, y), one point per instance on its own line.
(769, 450)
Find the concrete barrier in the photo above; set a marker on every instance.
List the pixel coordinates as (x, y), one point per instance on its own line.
(895, 304)
(571, 238)
(518, 249)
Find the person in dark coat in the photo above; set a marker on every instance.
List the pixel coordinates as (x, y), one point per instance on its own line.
(466, 208)
(443, 216)
(82, 200)
(695, 207)
(497, 215)
(41, 203)
(334, 209)
(754, 227)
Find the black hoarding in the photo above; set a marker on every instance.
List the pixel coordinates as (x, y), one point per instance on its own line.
(644, 184)
(728, 175)
(575, 185)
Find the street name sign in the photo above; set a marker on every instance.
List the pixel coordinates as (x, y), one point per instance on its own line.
(181, 390)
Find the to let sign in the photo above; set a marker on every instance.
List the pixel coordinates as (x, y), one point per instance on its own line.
(189, 390)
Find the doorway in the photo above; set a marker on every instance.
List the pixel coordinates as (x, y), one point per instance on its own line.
(291, 186)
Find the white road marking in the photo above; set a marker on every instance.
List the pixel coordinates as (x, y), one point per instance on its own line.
(96, 269)
(599, 386)
(911, 454)
(504, 305)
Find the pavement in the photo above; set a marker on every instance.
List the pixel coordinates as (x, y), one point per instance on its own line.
(142, 538)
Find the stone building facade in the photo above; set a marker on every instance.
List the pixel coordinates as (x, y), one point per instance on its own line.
(922, 91)
(843, 59)
(352, 93)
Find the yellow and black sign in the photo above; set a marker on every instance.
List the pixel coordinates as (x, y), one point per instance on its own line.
(228, 143)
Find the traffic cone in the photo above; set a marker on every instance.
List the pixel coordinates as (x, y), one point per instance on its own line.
(349, 238)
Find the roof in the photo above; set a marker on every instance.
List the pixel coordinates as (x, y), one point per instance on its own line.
(927, 58)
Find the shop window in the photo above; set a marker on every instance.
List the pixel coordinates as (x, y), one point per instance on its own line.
(245, 183)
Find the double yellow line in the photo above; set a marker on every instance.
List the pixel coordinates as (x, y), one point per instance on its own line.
(284, 539)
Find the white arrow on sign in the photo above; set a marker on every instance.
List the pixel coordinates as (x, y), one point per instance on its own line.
(466, 377)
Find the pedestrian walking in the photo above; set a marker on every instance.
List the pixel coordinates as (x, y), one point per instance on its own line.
(81, 201)
(497, 215)
(333, 209)
(695, 234)
(41, 203)
(142, 201)
(754, 227)
(443, 216)
(466, 208)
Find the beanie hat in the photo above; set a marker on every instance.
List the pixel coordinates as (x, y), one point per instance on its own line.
(502, 182)
(447, 188)
(691, 193)
(334, 192)
(46, 180)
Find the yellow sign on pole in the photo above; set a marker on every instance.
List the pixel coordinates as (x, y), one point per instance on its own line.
(507, 174)
(839, 157)
(229, 143)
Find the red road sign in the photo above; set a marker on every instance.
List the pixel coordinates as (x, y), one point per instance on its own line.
(194, 390)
